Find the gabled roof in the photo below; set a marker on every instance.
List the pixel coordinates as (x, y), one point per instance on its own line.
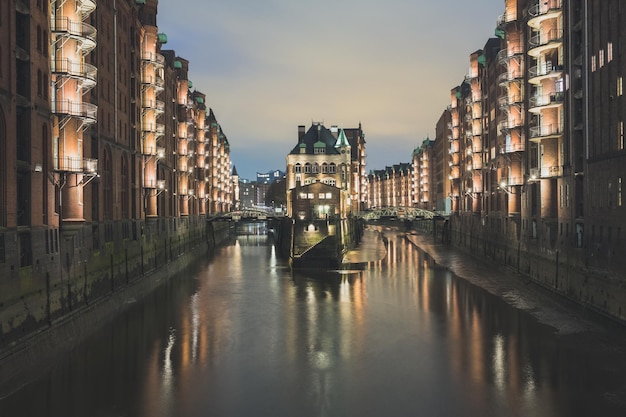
(317, 136)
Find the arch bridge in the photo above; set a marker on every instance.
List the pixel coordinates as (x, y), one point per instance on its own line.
(248, 214)
(408, 213)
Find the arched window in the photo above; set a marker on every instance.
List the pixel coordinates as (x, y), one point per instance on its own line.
(307, 168)
(324, 168)
(46, 86)
(332, 168)
(297, 168)
(316, 168)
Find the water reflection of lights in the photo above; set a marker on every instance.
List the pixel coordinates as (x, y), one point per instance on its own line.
(167, 360)
(195, 325)
(497, 362)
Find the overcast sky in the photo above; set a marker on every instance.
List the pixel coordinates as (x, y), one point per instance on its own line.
(268, 66)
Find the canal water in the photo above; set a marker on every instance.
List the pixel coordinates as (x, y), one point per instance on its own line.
(243, 335)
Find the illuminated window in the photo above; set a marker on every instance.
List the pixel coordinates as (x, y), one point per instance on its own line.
(322, 196)
(618, 90)
(620, 129)
(609, 52)
(601, 58)
(619, 192)
(311, 196)
(593, 63)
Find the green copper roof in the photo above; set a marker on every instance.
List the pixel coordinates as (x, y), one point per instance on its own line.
(190, 84)
(499, 33)
(162, 38)
(482, 60)
(342, 140)
(319, 144)
(178, 64)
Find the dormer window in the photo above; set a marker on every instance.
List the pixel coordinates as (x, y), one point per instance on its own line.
(319, 151)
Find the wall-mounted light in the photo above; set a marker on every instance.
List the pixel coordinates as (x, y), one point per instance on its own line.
(38, 168)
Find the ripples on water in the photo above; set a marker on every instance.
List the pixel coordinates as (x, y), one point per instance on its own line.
(243, 335)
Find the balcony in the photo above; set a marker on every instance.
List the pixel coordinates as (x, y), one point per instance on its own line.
(87, 112)
(541, 72)
(156, 105)
(545, 131)
(153, 81)
(545, 41)
(83, 33)
(85, 7)
(85, 73)
(511, 148)
(505, 55)
(544, 10)
(538, 103)
(506, 101)
(76, 165)
(508, 77)
(153, 58)
(546, 172)
(157, 184)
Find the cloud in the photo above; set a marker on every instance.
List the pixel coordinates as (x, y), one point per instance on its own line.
(270, 66)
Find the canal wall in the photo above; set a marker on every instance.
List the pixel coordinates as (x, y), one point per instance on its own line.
(562, 270)
(317, 243)
(65, 294)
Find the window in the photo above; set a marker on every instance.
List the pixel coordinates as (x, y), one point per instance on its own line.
(324, 168)
(620, 139)
(609, 52)
(601, 58)
(593, 63)
(298, 168)
(307, 168)
(322, 196)
(316, 168)
(332, 168)
(618, 89)
(619, 192)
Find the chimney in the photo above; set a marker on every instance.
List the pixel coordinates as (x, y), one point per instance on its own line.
(300, 133)
(335, 131)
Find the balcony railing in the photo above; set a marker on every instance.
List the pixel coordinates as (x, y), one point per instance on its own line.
(81, 31)
(544, 7)
(545, 38)
(545, 131)
(544, 70)
(546, 172)
(87, 72)
(86, 7)
(153, 58)
(545, 100)
(157, 105)
(154, 81)
(505, 55)
(511, 148)
(86, 111)
(76, 165)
